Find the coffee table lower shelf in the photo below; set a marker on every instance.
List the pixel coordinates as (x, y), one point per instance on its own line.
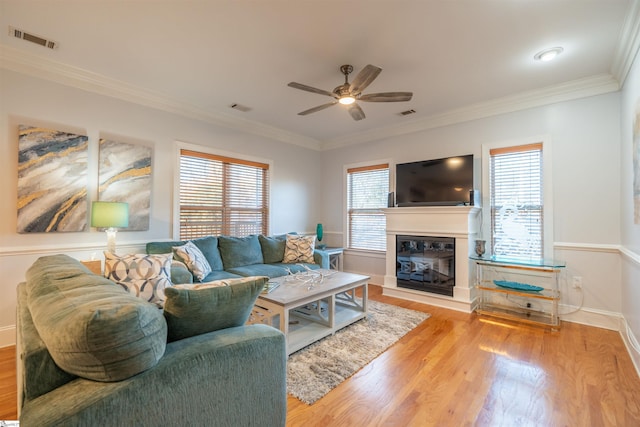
(307, 331)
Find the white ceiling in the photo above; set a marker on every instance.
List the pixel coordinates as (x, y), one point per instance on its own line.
(464, 57)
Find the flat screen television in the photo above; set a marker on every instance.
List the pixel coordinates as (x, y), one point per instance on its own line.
(439, 182)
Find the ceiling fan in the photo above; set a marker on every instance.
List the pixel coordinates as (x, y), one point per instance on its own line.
(348, 93)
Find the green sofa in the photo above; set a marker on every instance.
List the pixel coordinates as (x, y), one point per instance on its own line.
(233, 257)
(90, 353)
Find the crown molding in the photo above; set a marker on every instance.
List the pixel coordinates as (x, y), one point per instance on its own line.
(48, 69)
(628, 43)
(575, 89)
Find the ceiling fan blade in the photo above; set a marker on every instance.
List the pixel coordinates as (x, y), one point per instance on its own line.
(386, 97)
(311, 89)
(318, 108)
(356, 112)
(364, 78)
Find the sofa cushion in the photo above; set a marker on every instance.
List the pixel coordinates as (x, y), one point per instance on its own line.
(208, 246)
(269, 270)
(220, 275)
(239, 251)
(91, 327)
(145, 276)
(272, 248)
(272, 270)
(197, 309)
(194, 259)
(299, 249)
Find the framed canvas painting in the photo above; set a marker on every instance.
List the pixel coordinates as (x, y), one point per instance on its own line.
(52, 180)
(125, 176)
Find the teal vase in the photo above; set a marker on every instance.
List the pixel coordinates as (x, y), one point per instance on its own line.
(319, 232)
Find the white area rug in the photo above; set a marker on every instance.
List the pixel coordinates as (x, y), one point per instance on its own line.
(315, 370)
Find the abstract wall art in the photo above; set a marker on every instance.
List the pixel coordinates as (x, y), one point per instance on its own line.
(125, 176)
(52, 180)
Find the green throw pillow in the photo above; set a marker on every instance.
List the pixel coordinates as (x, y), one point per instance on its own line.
(197, 309)
(240, 251)
(92, 327)
(272, 248)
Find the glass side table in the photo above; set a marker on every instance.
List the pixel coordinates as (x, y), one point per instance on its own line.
(526, 291)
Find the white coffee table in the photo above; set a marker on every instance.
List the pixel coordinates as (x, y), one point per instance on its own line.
(307, 312)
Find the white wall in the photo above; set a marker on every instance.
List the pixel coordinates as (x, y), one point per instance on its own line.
(590, 167)
(585, 136)
(630, 111)
(25, 100)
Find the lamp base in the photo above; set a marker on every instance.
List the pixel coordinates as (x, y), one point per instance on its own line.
(111, 239)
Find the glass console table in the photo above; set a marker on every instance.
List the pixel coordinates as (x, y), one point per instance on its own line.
(526, 291)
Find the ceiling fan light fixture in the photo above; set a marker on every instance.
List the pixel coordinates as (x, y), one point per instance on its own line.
(347, 93)
(347, 100)
(548, 54)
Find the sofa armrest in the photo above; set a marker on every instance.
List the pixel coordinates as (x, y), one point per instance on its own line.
(233, 376)
(180, 274)
(321, 258)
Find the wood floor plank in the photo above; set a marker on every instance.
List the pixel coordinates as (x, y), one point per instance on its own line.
(462, 370)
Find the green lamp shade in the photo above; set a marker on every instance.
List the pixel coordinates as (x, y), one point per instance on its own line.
(109, 214)
(319, 232)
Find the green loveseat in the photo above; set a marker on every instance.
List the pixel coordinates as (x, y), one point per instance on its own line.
(233, 257)
(91, 354)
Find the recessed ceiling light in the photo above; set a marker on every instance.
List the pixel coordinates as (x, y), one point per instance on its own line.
(548, 54)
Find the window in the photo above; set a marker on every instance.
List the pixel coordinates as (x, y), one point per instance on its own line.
(222, 195)
(516, 193)
(367, 194)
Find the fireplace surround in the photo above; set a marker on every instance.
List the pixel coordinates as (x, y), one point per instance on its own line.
(460, 223)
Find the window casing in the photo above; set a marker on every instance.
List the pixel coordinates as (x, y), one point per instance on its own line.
(367, 195)
(517, 202)
(222, 195)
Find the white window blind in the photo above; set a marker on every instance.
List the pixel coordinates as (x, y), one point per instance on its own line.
(517, 202)
(222, 195)
(367, 194)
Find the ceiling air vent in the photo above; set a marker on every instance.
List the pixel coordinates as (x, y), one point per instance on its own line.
(239, 107)
(20, 34)
(406, 113)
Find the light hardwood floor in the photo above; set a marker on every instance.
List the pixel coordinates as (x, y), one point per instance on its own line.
(457, 369)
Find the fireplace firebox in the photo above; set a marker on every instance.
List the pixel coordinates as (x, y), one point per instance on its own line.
(426, 263)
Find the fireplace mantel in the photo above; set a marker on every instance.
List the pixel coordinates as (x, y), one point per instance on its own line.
(459, 222)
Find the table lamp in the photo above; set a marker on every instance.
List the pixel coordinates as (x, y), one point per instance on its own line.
(110, 215)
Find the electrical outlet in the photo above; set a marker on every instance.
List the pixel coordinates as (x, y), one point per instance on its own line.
(577, 282)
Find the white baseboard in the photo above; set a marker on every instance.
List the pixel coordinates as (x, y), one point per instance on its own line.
(428, 298)
(591, 317)
(7, 336)
(635, 356)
